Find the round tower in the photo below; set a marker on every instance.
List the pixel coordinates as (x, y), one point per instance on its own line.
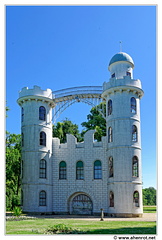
(36, 129)
(122, 94)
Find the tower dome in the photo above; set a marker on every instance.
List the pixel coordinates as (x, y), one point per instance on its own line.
(120, 65)
(121, 56)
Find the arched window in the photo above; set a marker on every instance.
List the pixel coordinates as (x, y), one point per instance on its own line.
(22, 169)
(42, 113)
(111, 168)
(135, 167)
(133, 105)
(136, 198)
(62, 170)
(109, 107)
(42, 138)
(22, 197)
(111, 199)
(42, 198)
(42, 168)
(22, 114)
(22, 139)
(110, 138)
(134, 133)
(79, 170)
(97, 169)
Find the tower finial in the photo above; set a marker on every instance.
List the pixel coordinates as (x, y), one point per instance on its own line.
(120, 46)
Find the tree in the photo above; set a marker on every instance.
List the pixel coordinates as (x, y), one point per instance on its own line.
(7, 109)
(13, 170)
(66, 127)
(149, 196)
(96, 121)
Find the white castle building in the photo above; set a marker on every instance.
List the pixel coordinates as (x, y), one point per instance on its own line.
(82, 178)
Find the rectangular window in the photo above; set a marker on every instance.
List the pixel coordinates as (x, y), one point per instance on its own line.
(97, 172)
(80, 173)
(42, 198)
(62, 173)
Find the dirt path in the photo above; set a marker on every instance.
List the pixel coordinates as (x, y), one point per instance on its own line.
(147, 217)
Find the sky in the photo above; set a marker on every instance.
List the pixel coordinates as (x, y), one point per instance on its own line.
(59, 47)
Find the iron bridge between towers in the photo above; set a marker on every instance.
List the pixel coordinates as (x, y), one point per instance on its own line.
(64, 98)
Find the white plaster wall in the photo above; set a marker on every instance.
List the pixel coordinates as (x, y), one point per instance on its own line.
(123, 198)
(64, 190)
(32, 152)
(31, 198)
(122, 148)
(120, 69)
(125, 81)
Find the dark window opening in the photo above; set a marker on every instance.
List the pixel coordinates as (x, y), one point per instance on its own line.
(135, 167)
(42, 113)
(22, 139)
(110, 138)
(42, 198)
(42, 169)
(62, 170)
(79, 170)
(97, 170)
(111, 169)
(136, 198)
(42, 138)
(22, 114)
(111, 197)
(109, 107)
(129, 74)
(113, 75)
(134, 133)
(133, 105)
(22, 198)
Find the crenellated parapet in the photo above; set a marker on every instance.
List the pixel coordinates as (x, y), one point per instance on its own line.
(88, 142)
(36, 94)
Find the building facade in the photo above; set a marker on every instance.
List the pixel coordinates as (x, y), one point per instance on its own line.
(82, 178)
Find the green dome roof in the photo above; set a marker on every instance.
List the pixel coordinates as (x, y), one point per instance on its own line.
(121, 56)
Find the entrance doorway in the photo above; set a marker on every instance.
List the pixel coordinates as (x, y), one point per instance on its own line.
(81, 205)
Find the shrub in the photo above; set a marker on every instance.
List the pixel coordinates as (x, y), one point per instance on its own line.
(61, 229)
(17, 211)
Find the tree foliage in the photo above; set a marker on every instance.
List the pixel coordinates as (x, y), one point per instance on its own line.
(149, 196)
(13, 170)
(66, 127)
(7, 109)
(96, 121)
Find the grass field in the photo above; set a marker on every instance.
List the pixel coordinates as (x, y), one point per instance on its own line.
(38, 226)
(149, 209)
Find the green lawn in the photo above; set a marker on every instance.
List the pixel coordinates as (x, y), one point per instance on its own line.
(38, 226)
(149, 209)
